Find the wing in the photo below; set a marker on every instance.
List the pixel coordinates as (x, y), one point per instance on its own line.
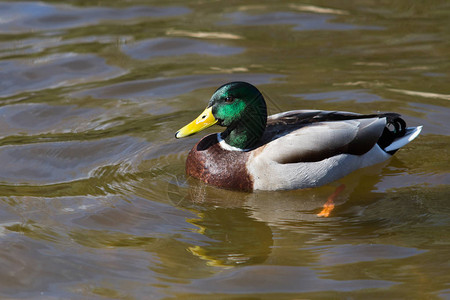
(306, 136)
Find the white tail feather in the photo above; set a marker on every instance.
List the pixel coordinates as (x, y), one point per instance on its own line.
(411, 134)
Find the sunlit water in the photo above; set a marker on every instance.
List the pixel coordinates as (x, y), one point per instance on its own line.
(94, 202)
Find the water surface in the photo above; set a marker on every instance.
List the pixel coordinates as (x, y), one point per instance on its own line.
(94, 201)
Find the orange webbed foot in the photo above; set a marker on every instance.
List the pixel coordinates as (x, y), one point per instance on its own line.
(329, 205)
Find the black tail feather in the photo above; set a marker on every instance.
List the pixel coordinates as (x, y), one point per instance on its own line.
(395, 128)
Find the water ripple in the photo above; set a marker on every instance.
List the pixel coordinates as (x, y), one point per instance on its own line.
(53, 71)
(18, 17)
(175, 47)
(302, 21)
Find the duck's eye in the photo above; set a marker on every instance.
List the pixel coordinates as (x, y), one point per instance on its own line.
(229, 99)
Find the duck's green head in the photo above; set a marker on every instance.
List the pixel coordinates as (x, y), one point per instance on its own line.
(240, 107)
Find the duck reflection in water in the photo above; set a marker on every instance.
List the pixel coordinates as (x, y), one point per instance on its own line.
(240, 227)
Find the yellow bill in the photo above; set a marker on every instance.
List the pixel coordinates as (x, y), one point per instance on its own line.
(205, 120)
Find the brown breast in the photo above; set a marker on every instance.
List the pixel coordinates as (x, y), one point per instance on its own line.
(210, 163)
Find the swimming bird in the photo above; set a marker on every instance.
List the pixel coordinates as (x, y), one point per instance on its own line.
(289, 150)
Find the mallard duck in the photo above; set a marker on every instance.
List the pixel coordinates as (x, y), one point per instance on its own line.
(289, 150)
